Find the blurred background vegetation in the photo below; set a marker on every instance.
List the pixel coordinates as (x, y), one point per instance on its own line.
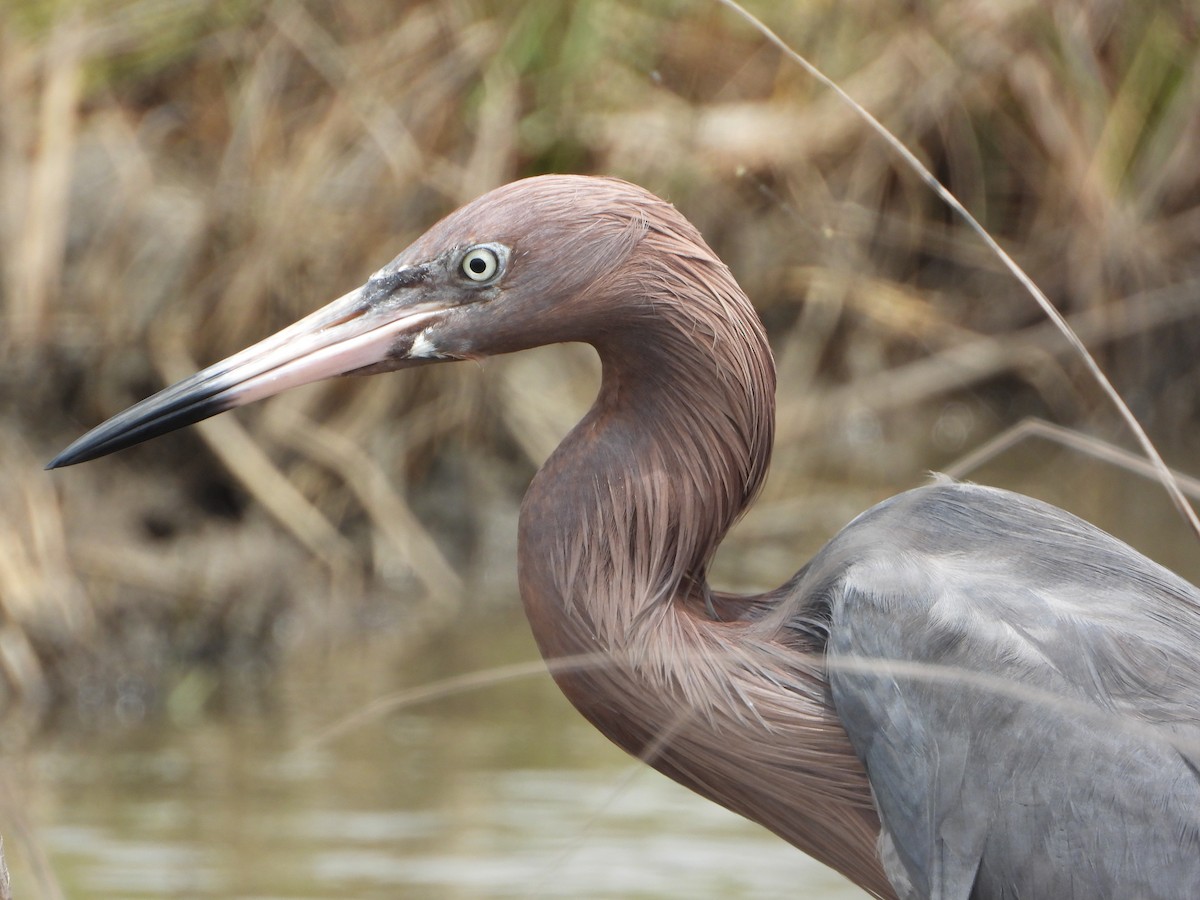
(179, 179)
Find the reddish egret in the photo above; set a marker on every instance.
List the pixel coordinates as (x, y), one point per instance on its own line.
(1061, 758)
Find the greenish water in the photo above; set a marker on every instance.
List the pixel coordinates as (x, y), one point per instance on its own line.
(499, 792)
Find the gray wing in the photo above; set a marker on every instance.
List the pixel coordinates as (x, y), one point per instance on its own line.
(1039, 735)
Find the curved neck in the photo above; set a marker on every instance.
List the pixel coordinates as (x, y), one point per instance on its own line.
(626, 515)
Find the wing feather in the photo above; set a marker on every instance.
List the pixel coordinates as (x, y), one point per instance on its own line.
(1031, 726)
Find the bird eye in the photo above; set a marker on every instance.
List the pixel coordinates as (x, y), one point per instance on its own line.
(480, 264)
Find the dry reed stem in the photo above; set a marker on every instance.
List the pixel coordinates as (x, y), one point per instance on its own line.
(5, 880)
(393, 519)
(38, 587)
(1027, 352)
(401, 151)
(254, 470)
(40, 242)
(1089, 445)
(564, 380)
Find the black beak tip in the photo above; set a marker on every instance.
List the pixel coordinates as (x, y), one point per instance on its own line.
(82, 450)
(68, 457)
(158, 415)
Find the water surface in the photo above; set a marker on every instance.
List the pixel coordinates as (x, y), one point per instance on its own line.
(503, 792)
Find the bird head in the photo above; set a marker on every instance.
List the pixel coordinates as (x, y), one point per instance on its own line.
(533, 262)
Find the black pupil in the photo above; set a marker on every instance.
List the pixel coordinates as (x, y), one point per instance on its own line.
(478, 265)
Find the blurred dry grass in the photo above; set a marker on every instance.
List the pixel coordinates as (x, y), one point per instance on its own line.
(178, 179)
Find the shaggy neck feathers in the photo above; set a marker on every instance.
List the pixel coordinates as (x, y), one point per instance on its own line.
(642, 491)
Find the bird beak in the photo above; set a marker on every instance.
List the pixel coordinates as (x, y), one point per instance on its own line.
(372, 327)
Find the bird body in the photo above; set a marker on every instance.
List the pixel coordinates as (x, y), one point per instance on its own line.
(1044, 738)
(966, 693)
